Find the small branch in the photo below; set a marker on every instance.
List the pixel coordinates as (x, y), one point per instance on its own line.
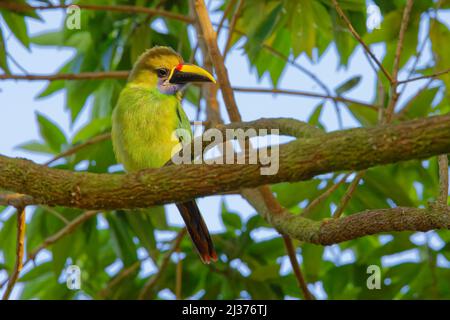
(360, 40)
(401, 38)
(233, 22)
(394, 83)
(304, 93)
(179, 277)
(153, 280)
(227, 10)
(296, 268)
(113, 8)
(323, 196)
(76, 148)
(119, 278)
(19, 252)
(217, 59)
(69, 228)
(16, 200)
(348, 194)
(434, 75)
(68, 76)
(443, 179)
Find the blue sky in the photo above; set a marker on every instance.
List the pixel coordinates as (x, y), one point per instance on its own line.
(18, 104)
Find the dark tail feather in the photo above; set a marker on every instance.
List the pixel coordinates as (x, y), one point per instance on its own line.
(198, 231)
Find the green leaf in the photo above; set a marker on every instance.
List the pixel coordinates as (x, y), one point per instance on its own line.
(8, 235)
(315, 116)
(367, 117)
(35, 146)
(348, 85)
(51, 133)
(420, 105)
(53, 38)
(231, 220)
(303, 31)
(3, 61)
(263, 30)
(312, 259)
(141, 224)
(92, 129)
(440, 34)
(18, 27)
(122, 239)
(267, 272)
(38, 271)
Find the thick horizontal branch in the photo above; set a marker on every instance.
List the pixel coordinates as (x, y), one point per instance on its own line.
(331, 231)
(354, 149)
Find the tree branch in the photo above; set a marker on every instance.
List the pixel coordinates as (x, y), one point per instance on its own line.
(443, 179)
(19, 252)
(304, 93)
(68, 76)
(153, 280)
(359, 39)
(296, 268)
(354, 149)
(434, 75)
(18, 7)
(394, 83)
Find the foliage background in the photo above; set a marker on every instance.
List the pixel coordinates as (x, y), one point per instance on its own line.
(118, 252)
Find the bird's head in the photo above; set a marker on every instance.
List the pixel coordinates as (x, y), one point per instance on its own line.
(165, 69)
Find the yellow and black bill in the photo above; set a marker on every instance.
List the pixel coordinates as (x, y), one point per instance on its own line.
(186, 72)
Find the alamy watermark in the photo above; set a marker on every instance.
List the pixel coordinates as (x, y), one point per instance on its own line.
(73, 21)
(192, 152)
(73, 277)
(374, 279)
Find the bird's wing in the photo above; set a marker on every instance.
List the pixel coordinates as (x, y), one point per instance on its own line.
(183, 123)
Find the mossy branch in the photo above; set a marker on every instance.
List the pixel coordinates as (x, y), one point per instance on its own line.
(353, 149)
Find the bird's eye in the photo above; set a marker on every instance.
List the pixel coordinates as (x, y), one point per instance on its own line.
(163, 72)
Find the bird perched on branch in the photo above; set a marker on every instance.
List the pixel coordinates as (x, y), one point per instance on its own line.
(145, 123)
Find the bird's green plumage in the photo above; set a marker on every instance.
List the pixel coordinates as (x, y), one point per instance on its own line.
(144, 127)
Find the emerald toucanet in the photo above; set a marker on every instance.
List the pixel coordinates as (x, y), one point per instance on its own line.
(146, 118)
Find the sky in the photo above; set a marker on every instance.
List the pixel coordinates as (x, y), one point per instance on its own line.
(18, 107)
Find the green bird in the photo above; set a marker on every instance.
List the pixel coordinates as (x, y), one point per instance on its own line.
(145, 121)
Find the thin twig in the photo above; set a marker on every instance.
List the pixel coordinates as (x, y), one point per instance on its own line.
(153, 280)
(348, 194)
(75, 149)
(69, 228)
(323, 196)
(394, 83)
(233, 22)
(68, 76)
(296, 267)
(179, 276)
(304, 93)
(124, 273)
(224, 16)
(434, 75)
(360, 40)
(113, 8)
(217, 59)
(19, 252)
(443, 179)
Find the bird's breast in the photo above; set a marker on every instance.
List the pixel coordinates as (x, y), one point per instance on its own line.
(144, 131)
